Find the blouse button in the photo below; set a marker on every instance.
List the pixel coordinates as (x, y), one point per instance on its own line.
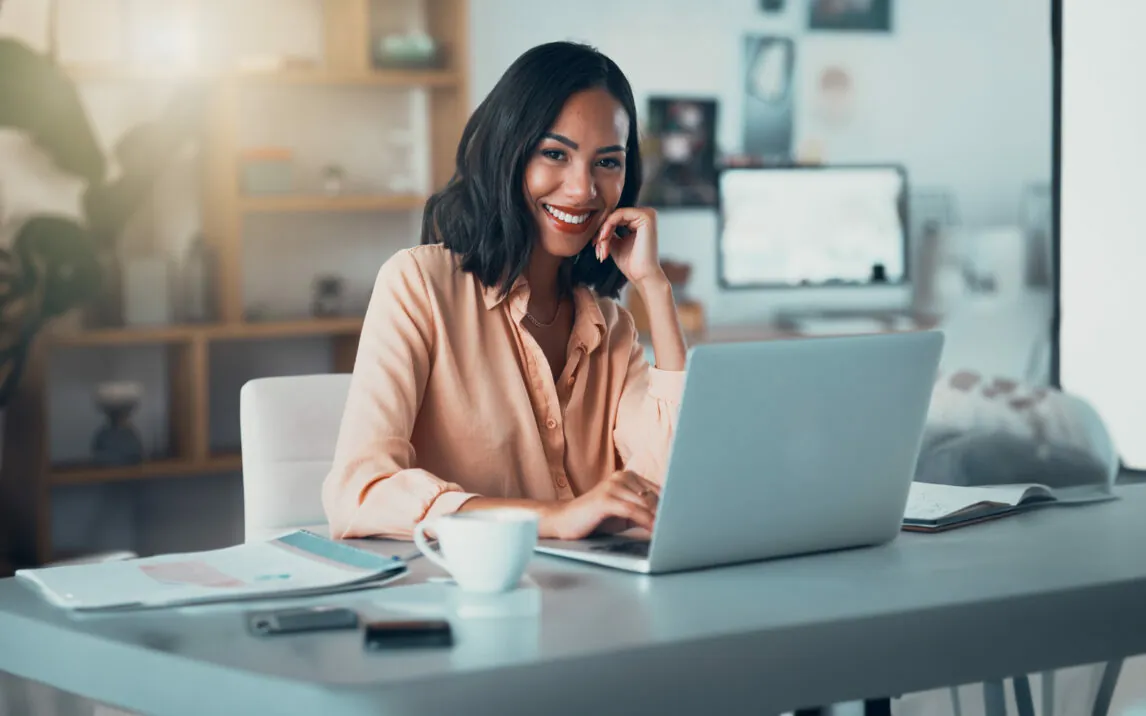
(551, 424)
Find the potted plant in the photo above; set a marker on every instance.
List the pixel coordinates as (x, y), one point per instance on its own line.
(51, 262)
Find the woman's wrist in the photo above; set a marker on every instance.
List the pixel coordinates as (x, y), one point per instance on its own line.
(546, 511)
(547, 518)
(651, 286)
(664, 324)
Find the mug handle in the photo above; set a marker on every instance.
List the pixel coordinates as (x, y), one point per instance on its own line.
(426, 548)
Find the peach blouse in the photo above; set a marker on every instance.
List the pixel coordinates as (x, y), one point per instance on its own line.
(452, 397)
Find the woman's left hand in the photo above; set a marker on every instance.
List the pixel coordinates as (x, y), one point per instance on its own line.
(636, 252)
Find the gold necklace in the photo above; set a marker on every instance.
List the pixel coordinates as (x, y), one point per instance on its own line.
(539, 324)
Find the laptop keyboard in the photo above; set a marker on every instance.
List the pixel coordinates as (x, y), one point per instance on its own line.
(637, 548)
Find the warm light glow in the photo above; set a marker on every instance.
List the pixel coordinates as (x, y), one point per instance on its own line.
(162, 35)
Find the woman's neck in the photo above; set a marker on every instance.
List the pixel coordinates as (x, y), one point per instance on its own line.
(547, 285)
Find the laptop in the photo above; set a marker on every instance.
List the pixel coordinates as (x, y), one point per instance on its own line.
(784, 448)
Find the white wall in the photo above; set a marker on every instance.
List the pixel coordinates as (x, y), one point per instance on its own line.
(1102, 245)
(960, 93)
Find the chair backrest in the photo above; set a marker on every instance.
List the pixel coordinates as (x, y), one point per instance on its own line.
(289, 430)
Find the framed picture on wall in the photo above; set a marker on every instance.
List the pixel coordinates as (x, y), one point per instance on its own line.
(679, 151)
(850, 15)
(769, 97)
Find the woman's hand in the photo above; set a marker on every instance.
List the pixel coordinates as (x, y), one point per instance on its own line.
(636, 252)
(621, 500)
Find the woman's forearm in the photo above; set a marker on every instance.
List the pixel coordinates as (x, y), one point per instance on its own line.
(544, 510)
(664, 323)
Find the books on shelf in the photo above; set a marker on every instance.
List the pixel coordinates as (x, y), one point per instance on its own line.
(937, 508)
(298, 564)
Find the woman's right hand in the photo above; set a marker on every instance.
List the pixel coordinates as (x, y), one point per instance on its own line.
(623, 498)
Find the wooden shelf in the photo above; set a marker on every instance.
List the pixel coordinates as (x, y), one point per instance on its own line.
(123, 73)
(210, 332)
(362, 202)
(376, 78)
(351, 325)
(174, 467)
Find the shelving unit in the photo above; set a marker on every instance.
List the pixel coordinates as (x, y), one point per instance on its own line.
(374, 78)
(27, 478)
(365, 202)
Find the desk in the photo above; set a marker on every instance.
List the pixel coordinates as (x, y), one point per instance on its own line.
(1047, 589)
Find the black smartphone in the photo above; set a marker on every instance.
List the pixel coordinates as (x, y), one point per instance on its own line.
(301, 619)
(408, 634)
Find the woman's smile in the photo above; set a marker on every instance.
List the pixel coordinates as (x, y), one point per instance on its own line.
(568, 219)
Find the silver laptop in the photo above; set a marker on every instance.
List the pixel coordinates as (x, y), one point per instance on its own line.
(784, 448)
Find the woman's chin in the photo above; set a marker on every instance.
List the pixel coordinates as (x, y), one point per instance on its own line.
(565, 247)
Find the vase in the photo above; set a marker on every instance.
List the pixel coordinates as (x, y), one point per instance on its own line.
(117, 442)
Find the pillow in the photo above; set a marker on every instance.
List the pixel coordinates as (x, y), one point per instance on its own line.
(987, 431)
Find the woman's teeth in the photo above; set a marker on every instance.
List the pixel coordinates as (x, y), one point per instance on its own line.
(568, 218)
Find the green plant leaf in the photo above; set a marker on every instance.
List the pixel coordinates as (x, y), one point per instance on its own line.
(38, 98)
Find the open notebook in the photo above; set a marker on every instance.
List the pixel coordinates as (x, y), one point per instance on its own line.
(935, 508)
(297, 564)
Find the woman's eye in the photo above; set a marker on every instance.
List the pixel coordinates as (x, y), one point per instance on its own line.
(610, 163)
(554, 154)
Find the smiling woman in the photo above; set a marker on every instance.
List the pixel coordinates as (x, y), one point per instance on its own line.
(561, 119)
(495, 369)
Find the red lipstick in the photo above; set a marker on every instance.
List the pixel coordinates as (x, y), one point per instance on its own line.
(567, 219)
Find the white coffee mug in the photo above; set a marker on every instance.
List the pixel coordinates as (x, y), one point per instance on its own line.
(483, 550)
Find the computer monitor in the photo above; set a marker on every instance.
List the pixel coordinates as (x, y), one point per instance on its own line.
(821, 226)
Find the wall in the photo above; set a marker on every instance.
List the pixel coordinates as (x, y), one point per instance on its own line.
(960, 93)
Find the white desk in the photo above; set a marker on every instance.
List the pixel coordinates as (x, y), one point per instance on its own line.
(1059, 587)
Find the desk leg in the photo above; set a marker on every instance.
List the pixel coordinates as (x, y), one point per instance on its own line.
(1106, 687)
(871, 707)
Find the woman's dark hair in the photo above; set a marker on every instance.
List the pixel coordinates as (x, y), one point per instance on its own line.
(481, 214)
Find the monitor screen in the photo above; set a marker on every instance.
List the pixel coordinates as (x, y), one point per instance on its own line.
(1101, 245)
(813, 226)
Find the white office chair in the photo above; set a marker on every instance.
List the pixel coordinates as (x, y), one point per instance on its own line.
(289, 429)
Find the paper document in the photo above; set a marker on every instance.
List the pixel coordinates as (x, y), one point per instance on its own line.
(932, 507)
(297, 564)
(931, 502)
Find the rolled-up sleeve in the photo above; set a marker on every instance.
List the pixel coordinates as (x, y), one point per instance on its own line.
(374, 486)
(646, 415)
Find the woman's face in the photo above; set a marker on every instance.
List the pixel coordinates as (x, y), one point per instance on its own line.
(575, 176)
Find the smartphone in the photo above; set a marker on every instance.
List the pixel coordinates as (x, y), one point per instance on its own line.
(408, 634)
(301, 619)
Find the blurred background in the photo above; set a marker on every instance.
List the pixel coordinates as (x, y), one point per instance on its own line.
(194, 193)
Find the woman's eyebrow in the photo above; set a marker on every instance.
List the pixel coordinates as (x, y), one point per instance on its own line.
(574, 145)
(563, 139)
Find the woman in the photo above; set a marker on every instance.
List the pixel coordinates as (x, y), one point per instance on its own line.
(494, 369)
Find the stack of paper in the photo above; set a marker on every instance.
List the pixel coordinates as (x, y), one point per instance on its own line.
(298, 564)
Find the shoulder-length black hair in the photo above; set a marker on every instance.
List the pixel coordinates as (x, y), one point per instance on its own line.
(481, 214)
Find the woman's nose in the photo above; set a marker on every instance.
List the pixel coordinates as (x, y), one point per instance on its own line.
(579, 185)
